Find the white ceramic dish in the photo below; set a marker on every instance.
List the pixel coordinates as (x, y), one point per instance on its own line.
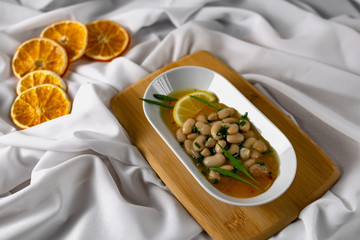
(192, 77)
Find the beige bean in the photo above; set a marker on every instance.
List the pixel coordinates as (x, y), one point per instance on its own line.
(188, 125)
(199, 143)
(230, 120)
(233, 129)
(218, 148)
(245, 127)
(210, 142)
(244, 153)
(215, 160)
(248, 134)
(215, 129)
(258, 171)
(225, 112)
(212, 116)
(206, 152)
(255, 154)
(203, 128)
(235, 138)
(249, 142)
(248, 163)
(227, 167)
(192, 136)
(202, 118)
(234, 148)
(260, 146)
(180, 136)
(214, 175)
(188, 145)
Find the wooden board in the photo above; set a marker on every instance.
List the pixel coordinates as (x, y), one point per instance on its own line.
(221, 220)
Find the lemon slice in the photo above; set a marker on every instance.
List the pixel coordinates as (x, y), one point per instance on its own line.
(186, 107)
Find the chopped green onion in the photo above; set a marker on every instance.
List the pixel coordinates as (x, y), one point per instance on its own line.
(261, 163)
(215, 181)
(244, 116)
(206, 102)
(236, 163)
(197, 144)
(161, 104)
(164, 97)
(266, 152)
(241, 123)
(232, 175)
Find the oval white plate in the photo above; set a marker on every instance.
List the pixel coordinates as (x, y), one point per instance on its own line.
(192, 77)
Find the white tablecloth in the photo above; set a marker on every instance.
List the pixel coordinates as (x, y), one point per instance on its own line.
(80, 177)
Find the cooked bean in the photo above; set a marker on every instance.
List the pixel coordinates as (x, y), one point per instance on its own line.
(210, 142)
(255, 154)
(225, 112)
(245, 127)
(248, 134)
(230, 120)
(249, 142)
(188, 145)
(227, 167)
(212, 116)
(222, 143)
(180, 136)
(202, 118)
(214, 175)
(199, 143)
(235, 138)
(234, 148)
(215, 129)
(260, 146)
(258, 171)
(206, 152)
(248, 163)
(188, 125)
(215, 160)
(203, 128)
(244, 153)
(233, 129)
(192, 136)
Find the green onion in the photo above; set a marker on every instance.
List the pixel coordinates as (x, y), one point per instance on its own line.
(156, 103)
(261, 163)
(266, 152)
(241, 123)
(164, 97)
(232, 175)
(206, 102)
(197, 144)
(236, 163)
(244, 116)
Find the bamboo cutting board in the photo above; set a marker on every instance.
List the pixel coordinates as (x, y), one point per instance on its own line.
(221, 220)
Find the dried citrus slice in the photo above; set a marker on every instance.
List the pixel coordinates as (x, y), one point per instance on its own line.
(39, 54)
(186, 107)
(106, 40)
(39, 104)
(39, 77)
(72, 35)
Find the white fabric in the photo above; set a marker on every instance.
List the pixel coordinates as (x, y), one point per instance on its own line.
(80, 176)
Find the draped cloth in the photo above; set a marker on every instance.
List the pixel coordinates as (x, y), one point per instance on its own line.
(80, 176)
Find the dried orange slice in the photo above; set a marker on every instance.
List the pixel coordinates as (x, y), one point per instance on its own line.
(106, 40)
(37, 54)
(186, 107)
(39, 77)
(39, 104)
(72, 35)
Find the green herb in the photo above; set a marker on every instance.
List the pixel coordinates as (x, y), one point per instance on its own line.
(222, 132)
(197, 144)
(200, 160)
(261, 163)
(241, 123)
(164, 97)
(236, 155)
(232, 175)
(244, 116)
(267, 151)
(237, 164)
(215, 181)
(206, 102)
(156, 103)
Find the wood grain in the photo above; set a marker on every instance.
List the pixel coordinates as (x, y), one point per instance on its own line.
(221, 220)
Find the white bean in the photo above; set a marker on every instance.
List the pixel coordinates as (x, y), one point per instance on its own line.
(206, 152)
(260, 146)
(246, 126)
(212, 116)
(225, 112)
(244, 153)
(249, 142)
(215, 129)
(188, 145)
(233, 129)
(192, 136)
(214, 175)
(203, 128)
(180, 136)
(227, 167)
(234, 148)
(230, 120)
(218, 148)
(202, 118)
(258, 171)
(199, 143)
(215, 160)
(210, 142)
(188, 125)
(235, 138)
